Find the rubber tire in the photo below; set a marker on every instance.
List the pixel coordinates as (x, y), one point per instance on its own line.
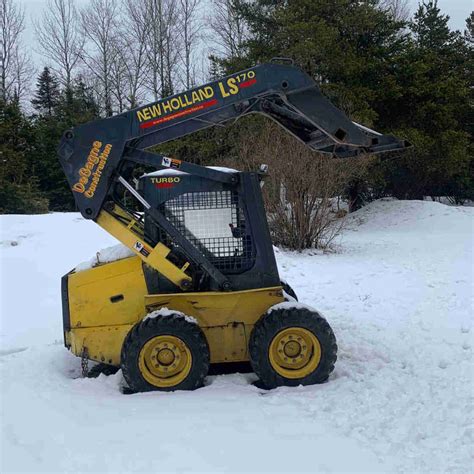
(275, 321)
(288, 290)
(175, 325)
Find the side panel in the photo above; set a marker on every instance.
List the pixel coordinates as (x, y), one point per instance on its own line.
(107, 295)
(219, 308)
(103, 344)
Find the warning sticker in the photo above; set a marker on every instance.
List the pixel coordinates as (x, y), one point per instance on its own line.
(170, 162)
(139, 247)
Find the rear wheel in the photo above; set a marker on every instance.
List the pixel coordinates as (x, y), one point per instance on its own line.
(292, 346)
(165, 353)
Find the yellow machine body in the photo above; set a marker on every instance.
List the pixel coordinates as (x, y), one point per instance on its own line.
(105, 302)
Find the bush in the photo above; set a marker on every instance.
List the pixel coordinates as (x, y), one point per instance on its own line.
(302, 188)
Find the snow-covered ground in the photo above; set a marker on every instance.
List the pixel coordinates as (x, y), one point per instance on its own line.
(398, 294)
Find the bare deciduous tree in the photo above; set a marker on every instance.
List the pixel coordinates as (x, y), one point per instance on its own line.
(228, 29)
(135, 33)
(99, 23)
(118, 76)
(60, 38)
(399, 9)
(161, 46)
(189, 27)
(15, 65)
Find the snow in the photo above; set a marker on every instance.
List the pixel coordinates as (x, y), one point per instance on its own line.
(175, 172)
(168, 312)
(398, 293)
(109, 254)
(287, 296)
(292, 304)
(223, 169)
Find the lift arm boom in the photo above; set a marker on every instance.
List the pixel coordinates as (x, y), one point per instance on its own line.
(93, 154)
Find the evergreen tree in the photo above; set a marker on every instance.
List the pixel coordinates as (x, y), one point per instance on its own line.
(71, 108)
(469, 31)
(430, 28)
(47, 93)
(414, 82)
(84, 101)
(433, 110)
(347, 46)
(19, 191)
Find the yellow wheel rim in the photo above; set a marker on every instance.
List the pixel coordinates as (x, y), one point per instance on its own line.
(165, 361)
(295, 353)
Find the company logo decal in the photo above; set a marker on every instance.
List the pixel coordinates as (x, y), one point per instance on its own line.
(91, 172)
(193, 101)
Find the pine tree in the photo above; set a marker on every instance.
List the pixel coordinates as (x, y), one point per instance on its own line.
(85, 105)
(430, 28)
(19, 191)
(70, 108)
(47, 93)
(469, 31)
(345, 45)
(432, 111)
(414, 80)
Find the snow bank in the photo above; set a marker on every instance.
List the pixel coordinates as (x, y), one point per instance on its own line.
(398, 294)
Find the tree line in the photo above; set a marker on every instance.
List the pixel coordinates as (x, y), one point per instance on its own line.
(409, 76)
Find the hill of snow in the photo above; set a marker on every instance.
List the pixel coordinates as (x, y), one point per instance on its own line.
(398, 293)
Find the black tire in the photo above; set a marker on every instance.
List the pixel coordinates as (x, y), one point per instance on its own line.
(277, 320)
(288, 290)
(167, 325)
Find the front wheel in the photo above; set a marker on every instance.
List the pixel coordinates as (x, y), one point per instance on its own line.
(292, 345)
(166, 352)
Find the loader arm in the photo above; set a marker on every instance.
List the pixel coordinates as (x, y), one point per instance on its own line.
(96, 156)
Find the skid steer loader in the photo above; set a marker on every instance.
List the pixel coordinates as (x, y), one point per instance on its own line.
(202, 285)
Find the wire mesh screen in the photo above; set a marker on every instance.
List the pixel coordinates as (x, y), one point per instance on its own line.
(215, 224)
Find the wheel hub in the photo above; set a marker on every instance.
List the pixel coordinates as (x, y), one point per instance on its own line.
(166, 357)
(165, 361)
(295, 352)
(292, 349)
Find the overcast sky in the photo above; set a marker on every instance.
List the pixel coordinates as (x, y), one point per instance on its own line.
(458, 10)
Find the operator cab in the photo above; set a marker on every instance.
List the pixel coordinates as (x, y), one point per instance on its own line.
(215, 217)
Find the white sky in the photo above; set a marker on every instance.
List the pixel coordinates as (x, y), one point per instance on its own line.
(458, 10)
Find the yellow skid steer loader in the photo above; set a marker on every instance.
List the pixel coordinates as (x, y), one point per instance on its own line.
(202, 285)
